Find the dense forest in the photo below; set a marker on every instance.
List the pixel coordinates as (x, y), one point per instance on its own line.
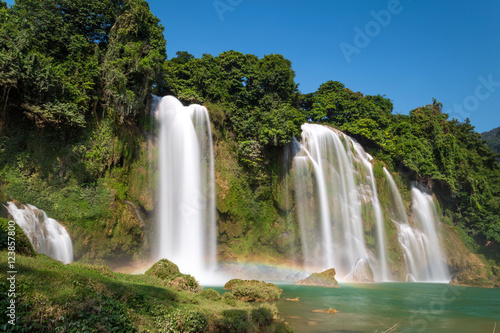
(76, 83)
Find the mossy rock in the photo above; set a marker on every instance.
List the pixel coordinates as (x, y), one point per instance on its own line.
(170, 274)
(164, 269)
(253, 290)
(323, 279)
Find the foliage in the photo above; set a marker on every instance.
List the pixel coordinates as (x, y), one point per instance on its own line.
(183, 320)
(262, 316)
(53, 297)
(210, 294)
(229, 299)
(104, 314)
(169, 272)
(22, 243)
(492, 139)
(445, 155)
(334, 103)
(253, 290)
(256, 93)
(234, 321)
(61, 62)
(133, 58)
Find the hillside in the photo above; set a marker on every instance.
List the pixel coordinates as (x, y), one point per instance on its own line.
(492, 139)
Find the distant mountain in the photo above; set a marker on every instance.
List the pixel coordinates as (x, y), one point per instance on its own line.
(492, 139)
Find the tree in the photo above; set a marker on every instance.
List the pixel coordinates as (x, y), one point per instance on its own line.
(256, 93)
(62, 61)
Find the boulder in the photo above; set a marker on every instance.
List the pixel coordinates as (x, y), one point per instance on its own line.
(323, 279)
(361, 272)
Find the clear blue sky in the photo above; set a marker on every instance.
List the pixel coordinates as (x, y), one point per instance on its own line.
(447, 49)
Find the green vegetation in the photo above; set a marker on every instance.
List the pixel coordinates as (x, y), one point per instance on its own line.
(75, 78)
(63, 63)
(492, 139)
(21, 243)
(446, 155)
(83, 297)
(253, 290)
(172, 277)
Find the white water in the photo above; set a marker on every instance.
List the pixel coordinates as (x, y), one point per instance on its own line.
(186, 223)
(45, 234)
(424, 258)
(334, 183)
(425, 212)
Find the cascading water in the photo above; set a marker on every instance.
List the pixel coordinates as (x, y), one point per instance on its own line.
(186, 223)
(426, 214)
(45, 234)
(335, 190)
(424, 258)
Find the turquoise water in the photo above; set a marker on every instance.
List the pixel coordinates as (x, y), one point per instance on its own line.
(376, 307)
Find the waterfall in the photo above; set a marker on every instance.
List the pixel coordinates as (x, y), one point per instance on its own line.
(425, 210)
(335, 192)
(424, 258)
(45, 234)
(186, 219)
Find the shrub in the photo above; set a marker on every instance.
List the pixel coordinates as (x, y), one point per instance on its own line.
(169, 272)
(253, 290)
(101, 313)
(229, 299)
(234, 321)
(262, 316)
(183, 320)
(164, 269)
(210, 294)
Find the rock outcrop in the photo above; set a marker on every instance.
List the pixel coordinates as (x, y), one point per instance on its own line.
(323, 279)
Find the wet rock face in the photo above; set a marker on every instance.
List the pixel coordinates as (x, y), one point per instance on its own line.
(323, 279)
(362, 272)
(465, 267)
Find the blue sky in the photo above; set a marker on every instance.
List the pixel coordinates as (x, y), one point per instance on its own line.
(416, 50)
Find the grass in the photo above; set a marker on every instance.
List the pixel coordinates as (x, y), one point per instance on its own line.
(82, 297)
